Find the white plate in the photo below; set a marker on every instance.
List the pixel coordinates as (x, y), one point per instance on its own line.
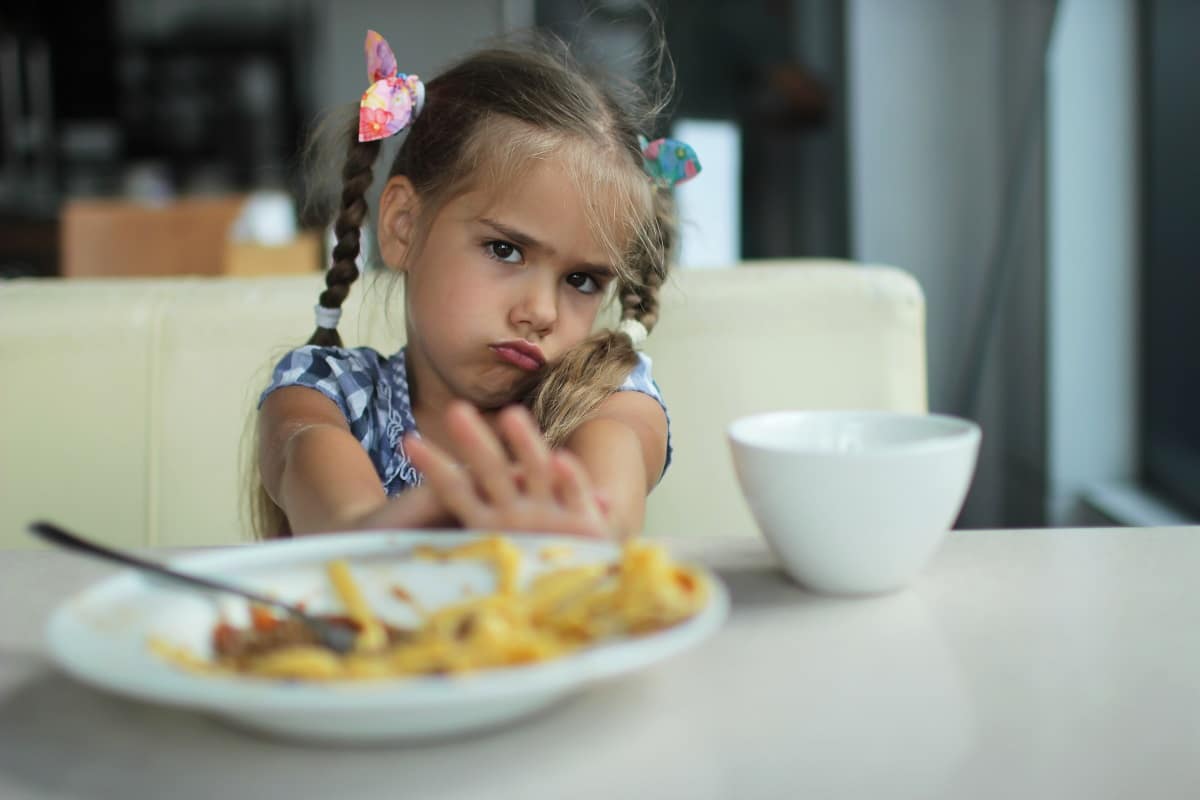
(100, 637)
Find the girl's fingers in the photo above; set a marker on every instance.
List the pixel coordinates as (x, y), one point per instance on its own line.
(533, 489)
(571, 484)
(533, 457)
(450, 483)
(602, 501)
(482, 452)
(576, 496)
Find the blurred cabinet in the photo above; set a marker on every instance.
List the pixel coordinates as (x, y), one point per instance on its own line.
(184, 237)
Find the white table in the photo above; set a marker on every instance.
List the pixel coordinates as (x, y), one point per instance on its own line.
(1031, 664)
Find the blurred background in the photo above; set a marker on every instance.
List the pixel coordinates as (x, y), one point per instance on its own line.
(1030, 162)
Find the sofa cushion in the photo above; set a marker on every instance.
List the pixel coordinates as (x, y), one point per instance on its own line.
(129, 402)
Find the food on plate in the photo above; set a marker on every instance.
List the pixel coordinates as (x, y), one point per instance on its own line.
(558, 611)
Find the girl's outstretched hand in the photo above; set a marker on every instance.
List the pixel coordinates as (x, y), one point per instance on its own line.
(534, 490)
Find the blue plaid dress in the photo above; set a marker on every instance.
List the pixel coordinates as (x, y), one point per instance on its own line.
(372, 392)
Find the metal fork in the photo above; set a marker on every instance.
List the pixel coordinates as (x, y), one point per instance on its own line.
(334, 635)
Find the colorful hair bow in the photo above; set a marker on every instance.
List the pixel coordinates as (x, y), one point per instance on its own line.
(669, 161)
(394, 98)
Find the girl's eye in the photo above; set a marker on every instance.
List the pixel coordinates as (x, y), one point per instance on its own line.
(585, 283)
(504, 251)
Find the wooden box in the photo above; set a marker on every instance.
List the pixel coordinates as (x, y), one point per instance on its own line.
(188, 236)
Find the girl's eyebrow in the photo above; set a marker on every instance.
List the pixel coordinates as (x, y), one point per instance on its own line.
(530, 243)
(516, 236)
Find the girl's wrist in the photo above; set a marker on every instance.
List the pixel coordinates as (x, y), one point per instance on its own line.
(416, 507)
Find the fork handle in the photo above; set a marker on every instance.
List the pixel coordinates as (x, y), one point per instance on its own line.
(56, 535)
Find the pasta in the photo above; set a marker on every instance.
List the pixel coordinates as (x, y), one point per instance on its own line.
(558, 612)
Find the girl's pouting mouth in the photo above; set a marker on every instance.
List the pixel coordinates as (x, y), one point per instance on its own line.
(520, 353)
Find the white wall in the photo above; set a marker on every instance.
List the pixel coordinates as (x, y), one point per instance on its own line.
(940, 94)
(926, 126)
(1093, 251)
(924, 153)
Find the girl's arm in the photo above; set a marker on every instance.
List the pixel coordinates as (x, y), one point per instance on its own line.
(314, 468)
(623, 448)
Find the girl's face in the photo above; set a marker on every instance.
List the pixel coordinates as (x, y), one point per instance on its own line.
(504, 284)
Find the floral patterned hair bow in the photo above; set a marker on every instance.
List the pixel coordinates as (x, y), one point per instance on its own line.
(669, 161)
(394, 99)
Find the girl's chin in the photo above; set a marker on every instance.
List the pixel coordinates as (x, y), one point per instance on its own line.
(494, 394)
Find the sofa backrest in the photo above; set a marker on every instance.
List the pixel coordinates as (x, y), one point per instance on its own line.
(127, 401)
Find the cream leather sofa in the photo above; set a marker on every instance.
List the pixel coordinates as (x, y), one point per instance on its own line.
(126, 401)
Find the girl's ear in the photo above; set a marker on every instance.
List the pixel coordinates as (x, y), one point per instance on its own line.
(398, 205)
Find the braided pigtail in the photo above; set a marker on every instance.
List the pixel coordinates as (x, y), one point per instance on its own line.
(267, 519)
(594, 369)
(347, 229)
(578, 382)
(639, 298)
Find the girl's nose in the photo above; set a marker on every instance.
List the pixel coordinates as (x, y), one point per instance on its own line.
(536, 307)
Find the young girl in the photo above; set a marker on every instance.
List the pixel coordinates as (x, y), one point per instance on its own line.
(522, 197)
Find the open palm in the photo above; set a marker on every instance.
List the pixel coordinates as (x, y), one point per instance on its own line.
(534, 489)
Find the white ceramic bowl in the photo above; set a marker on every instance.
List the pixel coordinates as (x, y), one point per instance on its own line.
(854, 502)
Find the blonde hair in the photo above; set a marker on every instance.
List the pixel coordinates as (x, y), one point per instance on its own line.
(485, 118)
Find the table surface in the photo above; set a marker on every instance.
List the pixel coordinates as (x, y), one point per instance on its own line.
(1038, 663)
